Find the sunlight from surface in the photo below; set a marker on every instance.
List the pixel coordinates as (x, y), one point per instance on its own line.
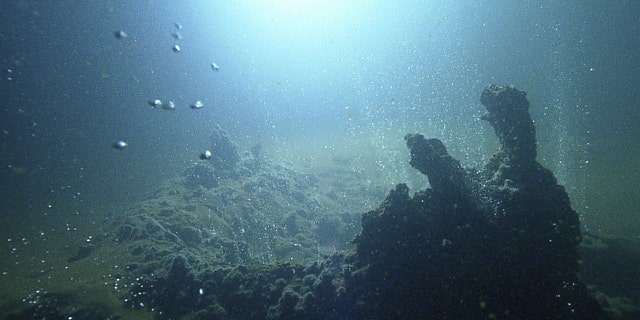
(301, 6)
(285, 20)
(300, 14)
(298, 4)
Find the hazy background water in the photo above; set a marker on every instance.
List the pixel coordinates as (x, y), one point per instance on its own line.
(314, 82)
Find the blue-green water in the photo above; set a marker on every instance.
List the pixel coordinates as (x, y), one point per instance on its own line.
(313, 71)
(315, 83)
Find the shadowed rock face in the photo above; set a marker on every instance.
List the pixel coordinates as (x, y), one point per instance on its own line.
(431, 158)
(508, 114)
(498, 244)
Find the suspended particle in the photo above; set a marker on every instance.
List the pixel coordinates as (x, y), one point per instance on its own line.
(120, 34)
(205, 155)
(197, 105)
(119, 145)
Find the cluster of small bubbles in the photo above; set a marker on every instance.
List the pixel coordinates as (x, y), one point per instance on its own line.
(116, 284)
(137, 292)
(9, 72)
(34, 298)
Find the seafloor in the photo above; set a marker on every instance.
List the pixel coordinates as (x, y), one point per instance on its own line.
(240, 236)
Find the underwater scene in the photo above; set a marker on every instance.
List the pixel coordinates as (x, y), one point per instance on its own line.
(319, 159)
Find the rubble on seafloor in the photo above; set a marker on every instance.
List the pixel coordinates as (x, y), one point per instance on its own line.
(240, 237)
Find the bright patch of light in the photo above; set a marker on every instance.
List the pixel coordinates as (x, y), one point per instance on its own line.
(302, 9)
(299, 21)
(301, 5)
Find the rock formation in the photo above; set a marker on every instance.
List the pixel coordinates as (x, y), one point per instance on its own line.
(494, 245)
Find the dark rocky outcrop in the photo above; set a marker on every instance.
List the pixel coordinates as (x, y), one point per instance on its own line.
(508, 114)
(494, 245)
